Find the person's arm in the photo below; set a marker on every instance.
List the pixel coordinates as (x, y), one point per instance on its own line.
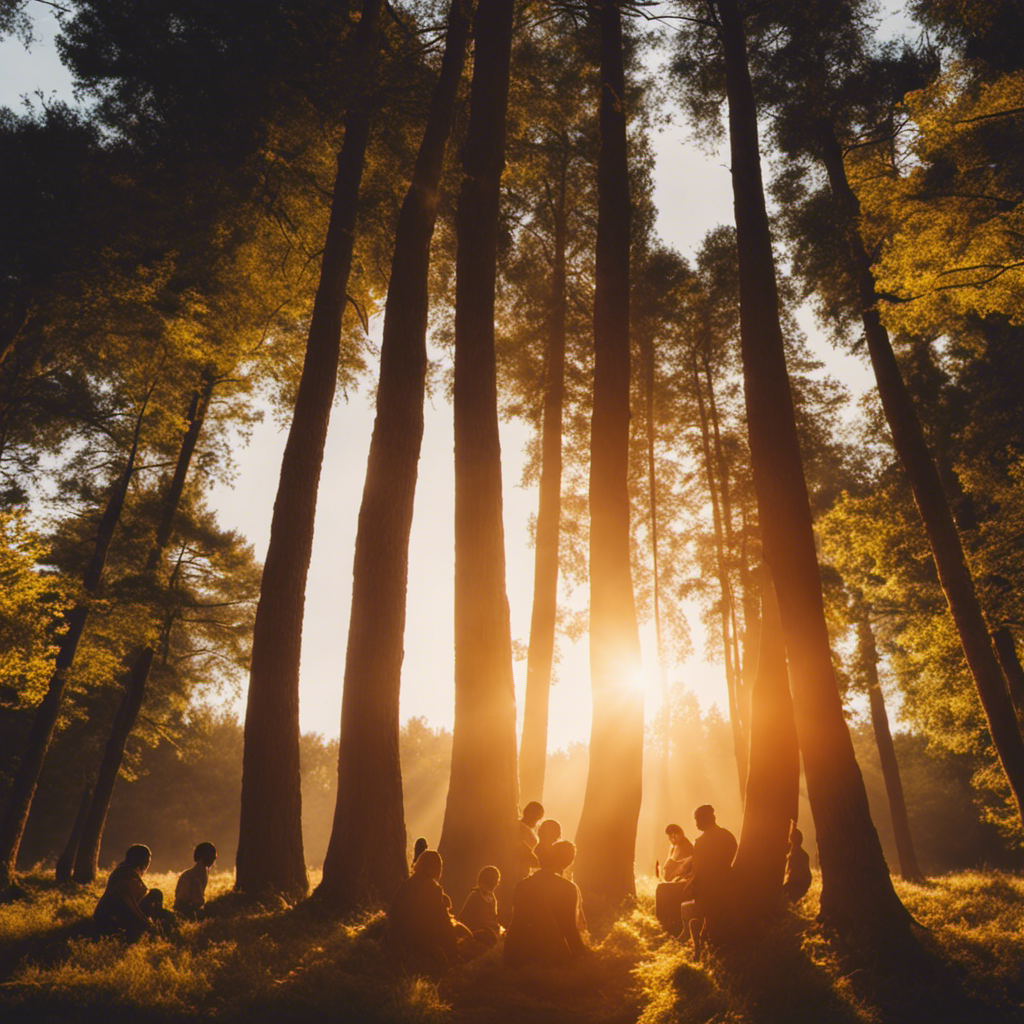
(565, 913)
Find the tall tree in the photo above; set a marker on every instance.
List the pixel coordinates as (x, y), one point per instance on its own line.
(270, 853)
(366, 856)
(480, 814)
(611, 803)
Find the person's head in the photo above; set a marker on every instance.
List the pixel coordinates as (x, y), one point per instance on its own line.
(428, 863)
(549, 831)
(488, 878)
(796, 837)
(138, 857)
(562, 855)
(675, 833)
(532, 813)
(419, 846)
(704, 817)
(205, 853)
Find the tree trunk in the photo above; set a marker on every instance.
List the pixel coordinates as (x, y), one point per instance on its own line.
(66, 861)
(868, 656)
(773, 781)
(909, 441)
(270, 855)
(366, 855)
(27, 778)
(1006, 648)
(611, 803)
(534, 747)
(480, 815)
(857, 892)
(86, 858)
(739, 743)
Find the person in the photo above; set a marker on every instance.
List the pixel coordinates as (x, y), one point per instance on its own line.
(798, 866)
(480, 911)
(528, 839)
(670, 894)
(420, 925)
(548, 833)
(708, 891)
(419, 846)
(544, 929)
(128, 906)
(190, 892)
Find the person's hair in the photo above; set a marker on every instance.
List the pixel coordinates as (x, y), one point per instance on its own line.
(704, 813)
(428, 863)
(138, 856)
(562, 855)
(489, 877)
(418, 847)
(796, 836)
(205, 851)
(549, 831)
(533, 811)
(674, 829)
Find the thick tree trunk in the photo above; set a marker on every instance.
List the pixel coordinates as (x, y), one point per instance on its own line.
(857, 892)
(739, 742)
(27, 778)
(909, 441)
(270, 855)
(611, 803)
(534, 747)
(773, 781)
(366, 855)
(86, 858)
(868, 656)
(480, 815)
(66, 861)
(1006, 648)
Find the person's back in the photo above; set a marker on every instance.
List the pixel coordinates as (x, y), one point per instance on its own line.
(190, 891)
(713, 853)
(798, 867)
(419, 923)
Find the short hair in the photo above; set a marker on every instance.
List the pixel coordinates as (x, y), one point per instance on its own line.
(704, 812)
(488, 877)
(138, 855)
(795, 835)
(533, 811)
(673, 828)
(205, 851)
(562, 855)
(549, 831)
(428, 863)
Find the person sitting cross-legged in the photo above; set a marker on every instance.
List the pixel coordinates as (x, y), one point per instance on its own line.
(480, 911)
(420, 926)
(709, 891)
(190, 892)
(671, 893)
(128, 906)
(545, 929)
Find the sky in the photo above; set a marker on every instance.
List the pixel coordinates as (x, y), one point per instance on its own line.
(692, 194)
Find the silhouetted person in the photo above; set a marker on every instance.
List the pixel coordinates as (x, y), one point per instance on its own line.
(480, 911)
(798, 866)
(709, 890)
(420, 924)
(419, 846)
(671, 893)
(548, 833)
(127, 905)
(545, 926)
(190, 892)
(532, 813)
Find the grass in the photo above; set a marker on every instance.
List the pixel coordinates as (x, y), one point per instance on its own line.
(280, 964)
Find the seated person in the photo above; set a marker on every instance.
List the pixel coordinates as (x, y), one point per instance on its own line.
(420, 925)
(419, 846)
(190, 892)
(548, 833)
(532, 813)
(709, 889)
(128, 906)
(798, 866)
(480, 911)
(670, 894)
(544, 929)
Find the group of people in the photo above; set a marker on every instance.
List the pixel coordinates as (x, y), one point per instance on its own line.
(545, 923)
(130, 908)
(696, 892)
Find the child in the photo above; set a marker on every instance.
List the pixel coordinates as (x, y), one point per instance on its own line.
(190, 892)
(480, 911)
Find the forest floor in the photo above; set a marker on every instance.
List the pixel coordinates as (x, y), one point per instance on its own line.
(280, 964)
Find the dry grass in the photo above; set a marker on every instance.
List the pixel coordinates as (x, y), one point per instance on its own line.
(279, 964)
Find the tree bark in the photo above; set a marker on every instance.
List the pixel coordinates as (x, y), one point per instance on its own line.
(66, 861)
(857, 892)
(611, 803)
(534, 747)
(1006, 648)
(270, 854)
(909, 441)
(480, 814)
(773, 781)
(27, 778)
(366, 855)
(868, 656)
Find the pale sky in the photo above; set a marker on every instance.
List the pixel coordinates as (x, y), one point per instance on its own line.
(692, 194)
